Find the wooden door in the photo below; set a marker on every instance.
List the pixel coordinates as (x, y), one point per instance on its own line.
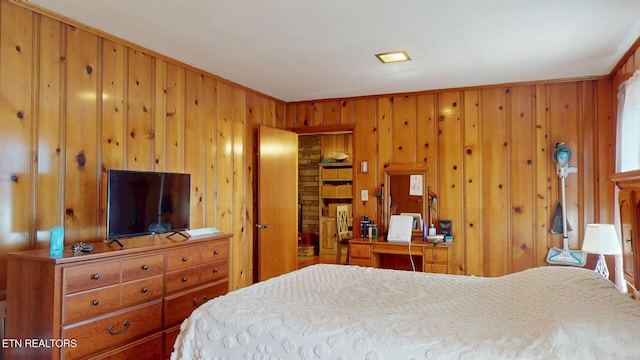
(277, 202)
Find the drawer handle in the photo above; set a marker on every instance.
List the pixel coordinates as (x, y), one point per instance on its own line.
(144, 289)
(145, 267)
(125, 327)
(184, 279)
(215, 270)
(204, 300)
(95, 302)
(185, 259)
(216, 252)
(95, 276)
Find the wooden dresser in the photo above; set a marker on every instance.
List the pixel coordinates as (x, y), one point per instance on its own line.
(112, 303)
(629, 203)
(366, 252)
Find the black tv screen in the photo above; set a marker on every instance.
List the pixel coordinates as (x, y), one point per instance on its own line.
(143, 203)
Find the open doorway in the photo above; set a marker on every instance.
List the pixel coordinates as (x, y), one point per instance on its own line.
(325, 179)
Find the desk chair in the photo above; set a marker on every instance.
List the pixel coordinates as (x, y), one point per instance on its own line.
(342, 231)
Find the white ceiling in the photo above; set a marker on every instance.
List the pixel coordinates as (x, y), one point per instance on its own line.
(306, 50)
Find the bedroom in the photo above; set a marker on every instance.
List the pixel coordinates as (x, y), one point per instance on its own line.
(500, 194)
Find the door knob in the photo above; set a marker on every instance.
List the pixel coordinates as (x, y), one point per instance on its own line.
(264, 226)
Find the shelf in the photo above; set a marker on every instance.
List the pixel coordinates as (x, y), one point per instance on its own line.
(336, 188)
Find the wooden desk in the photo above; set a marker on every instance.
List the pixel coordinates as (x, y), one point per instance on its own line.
(368, 252)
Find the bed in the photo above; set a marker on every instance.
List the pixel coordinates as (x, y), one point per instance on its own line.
(350, 312)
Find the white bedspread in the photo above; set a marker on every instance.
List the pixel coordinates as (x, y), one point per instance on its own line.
(349, 312)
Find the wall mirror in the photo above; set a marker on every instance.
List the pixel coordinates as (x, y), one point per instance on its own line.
(405, 192)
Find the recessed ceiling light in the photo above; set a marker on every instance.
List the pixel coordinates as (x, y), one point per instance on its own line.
(394, 56)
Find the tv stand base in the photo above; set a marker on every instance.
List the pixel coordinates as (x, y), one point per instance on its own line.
(178, 233)
(117, 242)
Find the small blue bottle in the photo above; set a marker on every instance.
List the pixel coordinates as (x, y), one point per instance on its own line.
(56, 245)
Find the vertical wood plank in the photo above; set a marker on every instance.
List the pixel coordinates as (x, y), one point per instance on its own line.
(563, 111)
(160, 115)
(589, 160)
(331, 112)
(194, 144)
(404, 129)
(252, 124)
(239, 248)
(114, 61)
(522, 177)
(383, 151)
(544, 172)
(473, 239)
(364, 146)
(224, 157)
(316, 112)
(427, 145)
(346, 112)
(290, 113)
(50, 187)
(495, 182)
(17, 119)
(82, 161)
(175, 123)
(277, 109)
(140, 131)
(210, 112)
(605, 151)
(450, 172)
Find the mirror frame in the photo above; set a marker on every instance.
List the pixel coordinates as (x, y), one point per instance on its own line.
(405, 169)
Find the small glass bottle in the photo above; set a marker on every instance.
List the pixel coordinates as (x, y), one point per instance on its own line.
(432, 230)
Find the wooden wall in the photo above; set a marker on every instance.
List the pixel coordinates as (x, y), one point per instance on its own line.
(488, 150)
(75, 103)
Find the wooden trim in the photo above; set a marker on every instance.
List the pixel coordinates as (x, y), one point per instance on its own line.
(466, 88)
(625, 57)
(626, 176)
(329, 129)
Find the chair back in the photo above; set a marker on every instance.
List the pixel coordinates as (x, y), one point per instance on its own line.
(342, 222)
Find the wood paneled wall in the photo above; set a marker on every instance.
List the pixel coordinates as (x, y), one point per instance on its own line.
(75, 103)
(488, 150)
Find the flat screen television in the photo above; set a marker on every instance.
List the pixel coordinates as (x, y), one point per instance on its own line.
(145, 203)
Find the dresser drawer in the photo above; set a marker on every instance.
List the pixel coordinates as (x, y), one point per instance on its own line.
(214, 271)
(149, 348)
(214, 252)
(88, 304)
(436, 268)
(91, 276)
(142, 267)
(169, 339)
(183, 258)
(141, 291)
(436, 255)
(360, 251)
(359, 262)
(180, 306)
(103, 333)
(183, 279)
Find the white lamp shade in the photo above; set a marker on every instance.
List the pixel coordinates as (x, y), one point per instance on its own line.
(601, 239)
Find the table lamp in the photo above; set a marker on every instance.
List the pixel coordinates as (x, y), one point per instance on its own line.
(601, 239)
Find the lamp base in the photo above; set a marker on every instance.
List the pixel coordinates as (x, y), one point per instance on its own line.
(601, 267)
